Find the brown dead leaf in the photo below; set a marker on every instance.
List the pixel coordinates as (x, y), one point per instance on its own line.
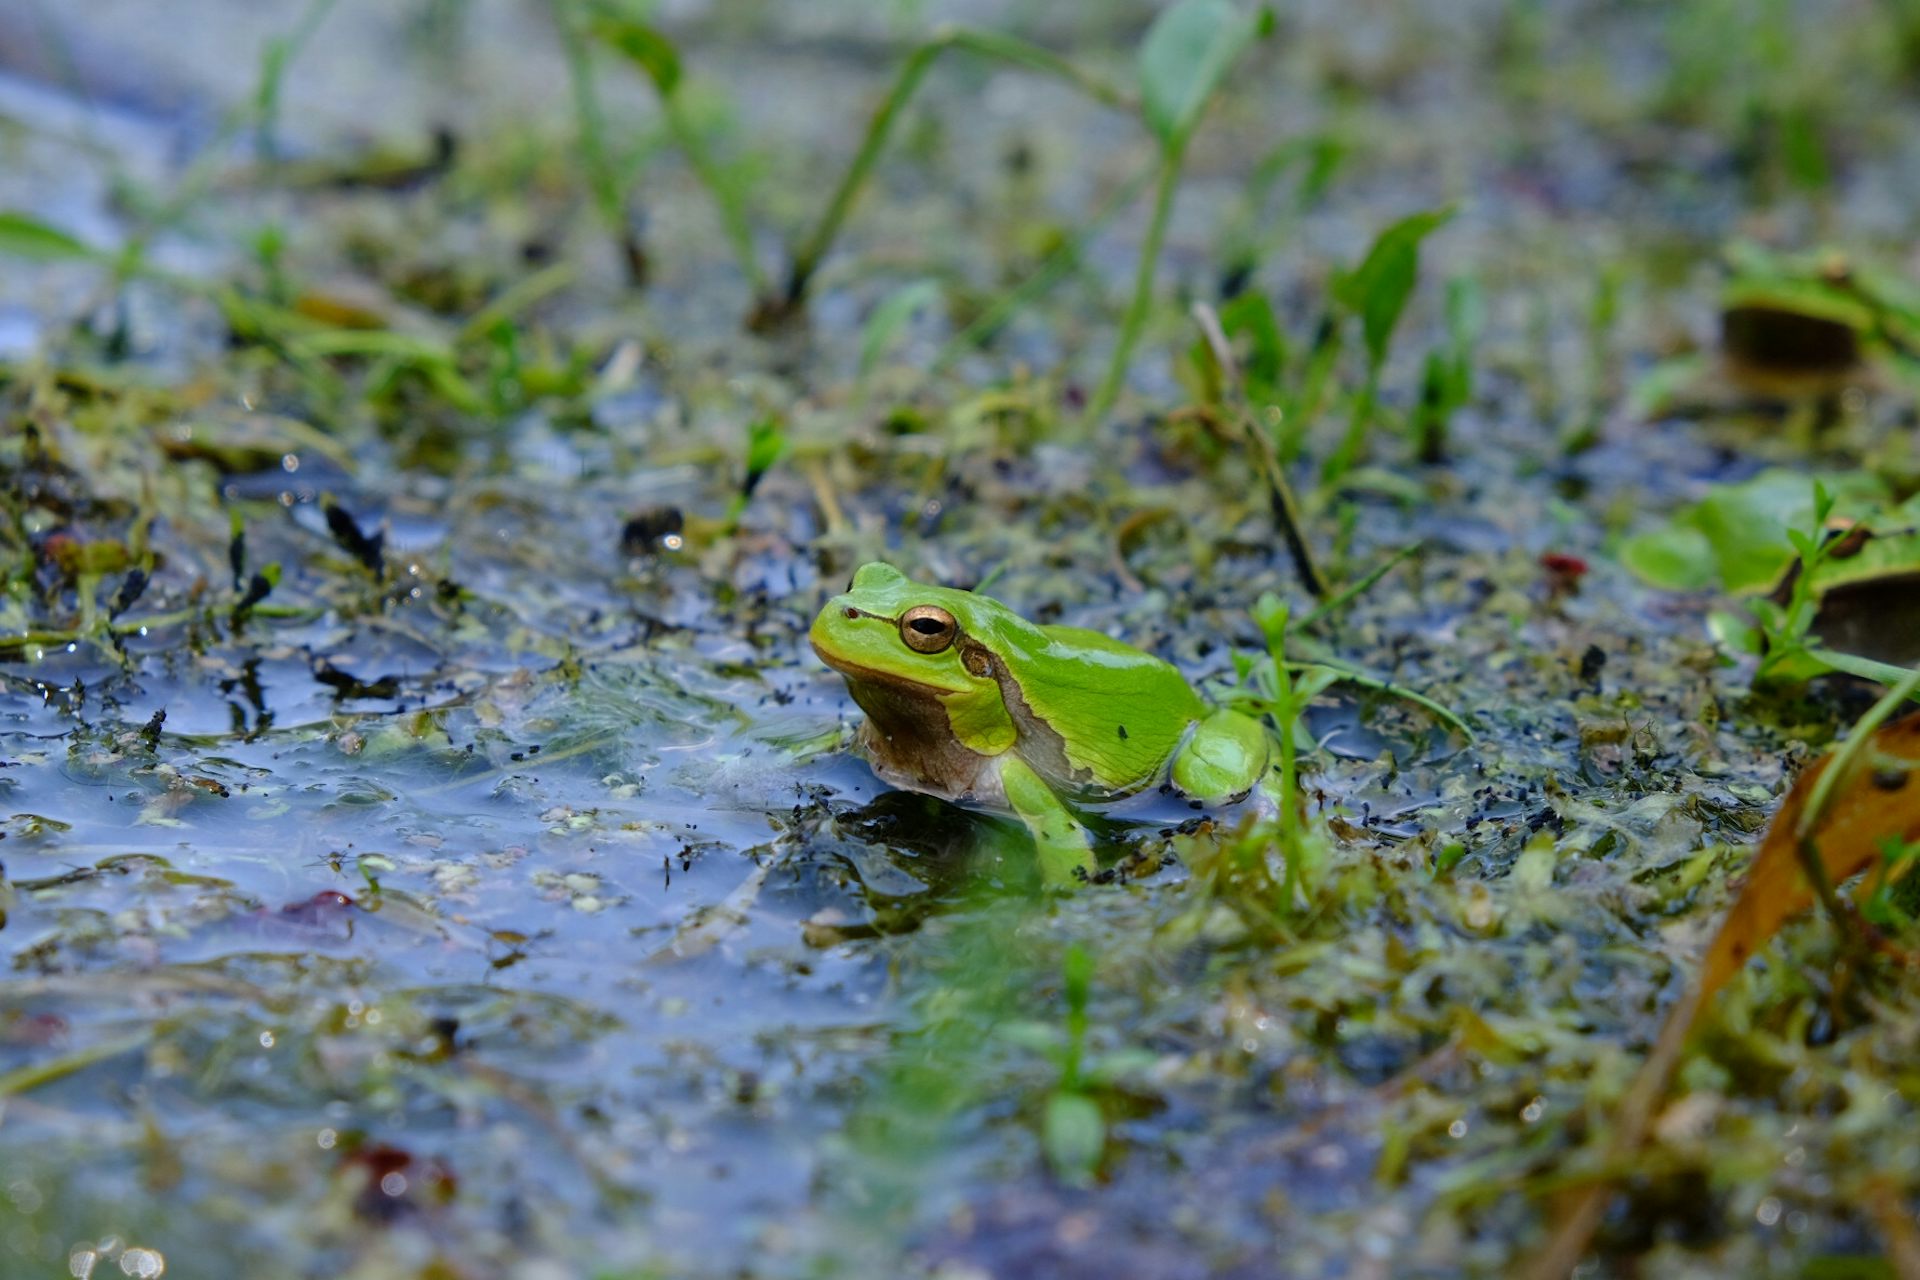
(1840, 826)
(1879, 800)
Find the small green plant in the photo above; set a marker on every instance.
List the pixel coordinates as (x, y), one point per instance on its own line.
(1776, 544)
(1073, 1120)
(1283, 696)
(275, 58)
(1446, 384)
(1074, 1131)
(1891, 896)
(659, 60)
(775, 308)
(1737, 537)
(767, 443)
(604, 176)
(1377, 292)
(1786, 631)
(1185, 57)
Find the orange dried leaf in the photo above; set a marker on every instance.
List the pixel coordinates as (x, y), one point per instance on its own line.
(1879, 802)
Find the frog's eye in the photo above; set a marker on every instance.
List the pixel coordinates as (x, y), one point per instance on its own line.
(928, 628)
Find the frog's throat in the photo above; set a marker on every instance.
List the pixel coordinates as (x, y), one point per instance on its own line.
(906, 752)
(909, 740)
(936, 765)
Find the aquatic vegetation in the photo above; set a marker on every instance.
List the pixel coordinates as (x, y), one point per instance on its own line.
(428, 847)
(1807, 573)
(1376, 291)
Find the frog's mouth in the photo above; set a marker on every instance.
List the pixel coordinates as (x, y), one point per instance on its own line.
(867, 651)
(859, 672)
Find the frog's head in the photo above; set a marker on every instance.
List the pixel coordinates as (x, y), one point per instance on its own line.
(889, 630)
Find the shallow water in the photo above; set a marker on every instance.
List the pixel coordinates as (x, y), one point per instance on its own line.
(502, 904)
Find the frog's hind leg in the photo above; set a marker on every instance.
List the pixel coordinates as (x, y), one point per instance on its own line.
(1063, 844)
(1225, 758)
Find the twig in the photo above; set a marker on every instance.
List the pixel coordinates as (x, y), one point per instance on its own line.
(1286, 510)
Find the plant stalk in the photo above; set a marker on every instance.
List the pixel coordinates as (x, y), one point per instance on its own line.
(1142, 303)
(605, 183)
(813, 249)
(1353, 444)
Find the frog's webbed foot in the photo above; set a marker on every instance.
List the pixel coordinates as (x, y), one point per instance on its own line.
(1063, 845)
(1225, 759)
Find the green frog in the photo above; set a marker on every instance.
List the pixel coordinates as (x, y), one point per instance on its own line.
(967, 700)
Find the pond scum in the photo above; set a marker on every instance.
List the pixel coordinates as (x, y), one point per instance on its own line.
(428, 848)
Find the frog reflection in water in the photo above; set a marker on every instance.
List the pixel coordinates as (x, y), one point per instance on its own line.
(967, 700)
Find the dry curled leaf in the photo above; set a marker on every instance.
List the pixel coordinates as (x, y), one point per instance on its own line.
(1877, 801)
(1842, 825)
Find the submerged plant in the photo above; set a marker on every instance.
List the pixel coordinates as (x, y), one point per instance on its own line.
(1073, 1118)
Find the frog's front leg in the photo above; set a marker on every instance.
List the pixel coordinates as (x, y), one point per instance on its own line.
(1225, 758)
(1062, 843)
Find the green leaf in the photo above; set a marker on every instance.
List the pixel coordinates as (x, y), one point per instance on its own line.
(1250, 315)
(1750, 525)
(1740, 536)
(641, 45)
(1187, 52)
(766, 445)
(1735, 632)
(1466, 317)
(1655, 390)
(887, 320)
(1377, 290)
(1270, 615)
(1074, 1134)
(22, 236)
(1673, 559)
(1078, 972)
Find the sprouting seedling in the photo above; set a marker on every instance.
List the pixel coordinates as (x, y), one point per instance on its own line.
(1286, 695)
(1377, 291)
(603, 176)
(275, 58)
(648, 49)
(1446, 384)
(766, 444)
(811, 250)
(1074, 1131)
(1184, 59)
(1787, 631)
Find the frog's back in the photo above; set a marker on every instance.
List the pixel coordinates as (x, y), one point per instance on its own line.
(1105, 716)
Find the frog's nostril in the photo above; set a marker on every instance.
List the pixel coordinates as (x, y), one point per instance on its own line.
(851, 612)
